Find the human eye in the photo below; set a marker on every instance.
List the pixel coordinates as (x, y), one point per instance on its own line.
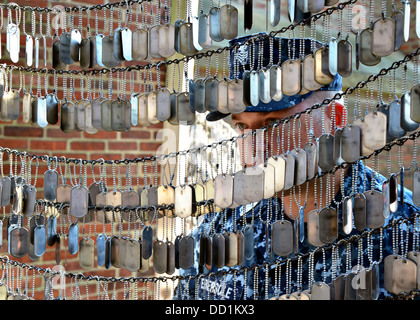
(240, 126)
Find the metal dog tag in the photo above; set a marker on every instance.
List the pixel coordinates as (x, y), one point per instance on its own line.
(160, 257)
(85, 55)
(118, 44)
(383, 37)
(29, 50)
(106, 118)
(416, 187)
(289, 178)
(231, 249)
(73, 242)
(322, 73)
(344, 58)
(313, 229)
(75, 41)
(184, 113)
(13, 41)
(222, 97)
(282, 238)
(79, 201)
(118, 115)
(50, 184)
(127, 48)
(254, 184)
(218, 250)
(360, 211)
(326, 152)
(279, 165)
(67, 117)
(291, 77)
(347, 215)
(100, 249)
(328, 225)
(264, 85)
(254, 91)
(249, 242)
(186, 43)
(98, 45)
(404, 275)
(365, 48)
(29, 199)
(374, 130)
(239, 188)
(223, 190)
(27, 108)
(300, 166)
(80, 120)
(374, 209)
(41, 112)
(394, 120)
(87, 253)
(333, 56)
(406, 122)
(108, 52)
(199, 96)
(133, 255)
(312, 159)
(18, 241)
(350, 143)
(65, 45)
(414, 103)
(275, 83)
(183, 201)
(204, 39)
(186, 252)
(166, 40)
(40, 240)
(308, 73)
(228, 22)
(320, 291)
(393, 193)
(52, 108)
(215, 24)
(269, 180)
(140, 44)
(153, 42)
(398, 17)
(52, 230)
(315, 6)
(210, 94)
(147, 242)
(235, 97)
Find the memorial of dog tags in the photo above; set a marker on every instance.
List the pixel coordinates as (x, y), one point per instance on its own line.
(383, 37)
(374, 130)
(183, 201)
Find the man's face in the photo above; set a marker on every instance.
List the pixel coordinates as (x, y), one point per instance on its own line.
(286, 136)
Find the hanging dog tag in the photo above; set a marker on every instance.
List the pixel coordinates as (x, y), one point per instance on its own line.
(147, 242)
(322, 73)
(85, 55)
(320, 291)
(27, 108)
(264, 85)
(198, 102)
(132, 252)
(186, 252)
(344, 58)
(383, 37)
(50, 184)
(105, 117)
(73, 242)
(240, 248)
(360, 212)
(108, 52)
(313, 229)
(312, 160)
(254, 91)
(385, 193)
(75, 41)
(282, 238)
(289, 178)
(13, 36)
(406, 122)
(328, 225)
(100, 249)
(254, 184)
(269, 180)
(210, 94)
(394, 120)
(183, 201)
(93, 63)
(414, 103)
(393, 193)
(41, 112)
(29, 50)
(350, 143)
(13, 105)
(79, 201)
(204, 39)
(239, 188)
(347, 215)
(127, 48)
(365, 49)
(218, 250)
(140, 44)
(235, 95)
(249, 242)
(228, 22)
(374, 130)
(215, 24)
(52, 108)
(18, 242)
(223, 190)
(291, 75)
(118, 115)
(416, 187)
(326, 152)
(65, 45)
(166, 40)
(170, 258)
(40, 240)
(80, 120)
(231, 249)
(222, 97)
(87, 253)
(88, 125)
(415, 257)
(333, 56)
(118, 44)
(52, 230)
(279, 165)
(153, 38)
(300, 166)
(29, 199)
(374, 209)
(184, 113)
(398, 17)
(67, 117)
(275, 83)
(185, 34)
(308, 73)
(160, 256)
(404, 275)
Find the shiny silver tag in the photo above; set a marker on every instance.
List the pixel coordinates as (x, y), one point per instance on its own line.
(215, 24)
(186, 43)
(186, 252)
(153, 39)
(279, 165)
(374, 130)
(218, 250)
(289, 178)
(313, 229)
(160, 259)
(41, 114)
(312, 159)
(282, 238)
(222, 96)
(264, 85)
(275, 83)
(79, 201)
(406, 122)
(73, 242)
(383, 37)
(365, 49)
(29, 50)
(333, 56)
(235, 97)
(414, 103)
(291, 77)
(204, 38)
(374, 209)
(140, 44)
(108, 54)
(328, 225)
(347, 215)
(223, 190)
(344, 58)
(350, 143)
(394, 120)
(210, 94)
(67, 117)
(75, 41)
(254, 184)
(127, 41)
(308, 72)
(228, 22)
(326, 152)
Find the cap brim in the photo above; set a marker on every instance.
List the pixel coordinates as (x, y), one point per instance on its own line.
(216, 115)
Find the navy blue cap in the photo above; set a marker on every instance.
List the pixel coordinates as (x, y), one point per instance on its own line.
(290, 49)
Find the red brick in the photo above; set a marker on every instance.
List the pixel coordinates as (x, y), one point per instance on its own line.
(20, 131)
(149, 146)
(136, 134)
(57, 133)
(48, 145)
(14, 143)
(101, 134)
(87, 146)
(118, 145)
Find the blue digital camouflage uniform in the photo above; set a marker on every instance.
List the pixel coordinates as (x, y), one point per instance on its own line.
(216, 289)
